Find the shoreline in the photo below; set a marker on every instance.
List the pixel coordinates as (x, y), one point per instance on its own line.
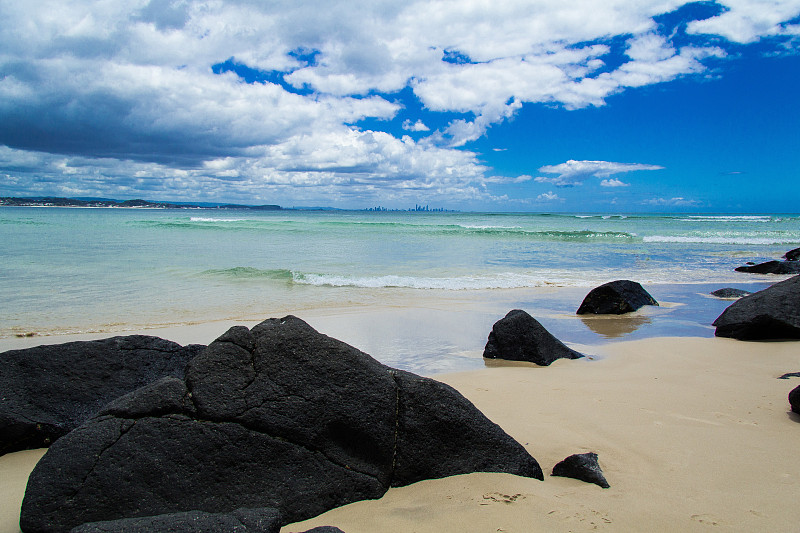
(690, 433)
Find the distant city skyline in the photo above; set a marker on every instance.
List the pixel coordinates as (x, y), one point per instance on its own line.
(573, 106)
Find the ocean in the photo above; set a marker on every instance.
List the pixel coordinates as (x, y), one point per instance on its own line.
(67, 270)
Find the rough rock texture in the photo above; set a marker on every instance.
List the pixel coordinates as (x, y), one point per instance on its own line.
(729, 292)
(794, 399)
(792, 255)
(278, 416)
(237, 521)
(773, 313)
(615, 298)
(520, 337)
(48, 391)
(772, 267)
(582, 466)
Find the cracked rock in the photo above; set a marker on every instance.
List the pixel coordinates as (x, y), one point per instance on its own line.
(48, 391)
(278, 416)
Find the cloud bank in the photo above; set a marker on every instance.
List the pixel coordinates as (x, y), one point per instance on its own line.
(131, 98)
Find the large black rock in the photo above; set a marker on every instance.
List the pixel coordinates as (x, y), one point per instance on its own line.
(792, 255)
(47, 391)
(773, 313)
(772, 267)
(278, 416)
(237, 521)
(520, 337)
(615, 298)
(794, 399)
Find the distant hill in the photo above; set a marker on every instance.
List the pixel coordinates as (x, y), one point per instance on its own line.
(103, 202)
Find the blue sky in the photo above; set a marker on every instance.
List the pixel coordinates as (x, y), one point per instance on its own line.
(542, 105)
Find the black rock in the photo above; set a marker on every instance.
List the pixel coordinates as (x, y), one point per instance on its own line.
(582, 466)
(729, 292)
(324, 529)
(790, 375)
(792, 255)
(772, 267)
(615, 298)
(237, 521)
(520, 337)
(794, 399)
(773, 313)
(278, 416)
(48, 391)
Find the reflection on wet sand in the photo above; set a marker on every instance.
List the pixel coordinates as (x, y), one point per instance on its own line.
(613, 326)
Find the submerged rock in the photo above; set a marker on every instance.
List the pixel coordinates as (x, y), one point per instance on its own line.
(520, 337)
(772, 267)
(278, 416)
(47, 391)
(615, 298)
(582, 466)
(773, 313)
(729, 292)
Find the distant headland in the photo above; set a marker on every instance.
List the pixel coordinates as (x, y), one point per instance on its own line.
(48, 201)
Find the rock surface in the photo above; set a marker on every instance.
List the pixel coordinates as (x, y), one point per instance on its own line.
(520, 337)
(773, 313)
(792, 255)
(582, 466)
(615, 298)
(48, 391)
(729, 292)
(772, 267)
(794, 399)
(237, 521)
(278, 416)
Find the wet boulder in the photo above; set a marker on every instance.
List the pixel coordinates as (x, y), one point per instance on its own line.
(275, 416)
(520, 337)
(615, 298)
(792, 255)
(772, 313)
(729, 293)
(582, 466)
(772, 267)
(47, 391)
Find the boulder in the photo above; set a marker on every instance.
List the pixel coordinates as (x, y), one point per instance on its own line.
(772, 267)
(520, 337)
(278, 416)
(582, 466)
(729, 293)
(237, 521)
(794, 399)
(48, 391)
(792, 255)
(772, 313)
(615, 298)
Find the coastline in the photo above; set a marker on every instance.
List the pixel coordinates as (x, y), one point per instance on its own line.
(690, 432)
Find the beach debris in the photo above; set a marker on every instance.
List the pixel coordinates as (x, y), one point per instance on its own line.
(263, 520)
(772, 267)
(792, 255)
(274, 416)
(520, 337)
(729, 293)
(582, 466)
(772, 313)
(616, 298)
(794, 399)
(47, 391)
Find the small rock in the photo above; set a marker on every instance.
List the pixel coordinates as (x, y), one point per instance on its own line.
(790, 375)
(520, 337)
(616, 298)
(794, 399)
(772, 267)
(729, 292)
(792, 255)
(582, 466)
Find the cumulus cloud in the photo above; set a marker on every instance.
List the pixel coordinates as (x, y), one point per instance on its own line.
(111, 97)
(549, 196)
(678, 201)
(574, 173)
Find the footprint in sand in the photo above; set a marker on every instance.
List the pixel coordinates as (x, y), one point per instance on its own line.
(497, 497)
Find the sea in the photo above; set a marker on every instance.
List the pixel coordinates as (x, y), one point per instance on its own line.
(423, 288)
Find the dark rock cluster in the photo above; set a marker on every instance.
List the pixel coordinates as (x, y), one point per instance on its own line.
(280, 417)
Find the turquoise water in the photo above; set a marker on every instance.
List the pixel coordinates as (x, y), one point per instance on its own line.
(77, 270)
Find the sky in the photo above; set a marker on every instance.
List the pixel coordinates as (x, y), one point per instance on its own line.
(539, 105)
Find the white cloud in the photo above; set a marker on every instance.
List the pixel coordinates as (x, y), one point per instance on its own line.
(678, 201)
(574, 173)
(746, 21)
(415, 126)
(549, 196)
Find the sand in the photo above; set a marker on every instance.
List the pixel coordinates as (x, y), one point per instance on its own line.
(693, 434)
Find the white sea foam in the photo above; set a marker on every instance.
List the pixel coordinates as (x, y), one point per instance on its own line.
(499, 281)
(720, 240)
(727, 218)
(212, 219)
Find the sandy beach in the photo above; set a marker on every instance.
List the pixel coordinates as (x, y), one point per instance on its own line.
(692, 434)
